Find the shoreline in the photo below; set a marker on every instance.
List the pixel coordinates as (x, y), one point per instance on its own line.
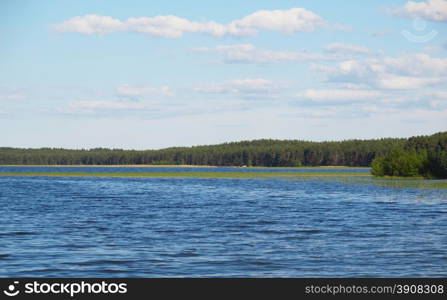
(187, 166)
(183, 174)
(346, 177)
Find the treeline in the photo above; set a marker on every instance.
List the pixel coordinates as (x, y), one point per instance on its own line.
(268, 153)
(420, 156)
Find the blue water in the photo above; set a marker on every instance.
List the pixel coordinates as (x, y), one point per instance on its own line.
(158, 227)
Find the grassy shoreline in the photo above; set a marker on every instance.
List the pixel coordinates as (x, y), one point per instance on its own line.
(345, 178)
(188, 166)
(182, 174)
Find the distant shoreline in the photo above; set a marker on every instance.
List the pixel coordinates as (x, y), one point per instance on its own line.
(187, 166)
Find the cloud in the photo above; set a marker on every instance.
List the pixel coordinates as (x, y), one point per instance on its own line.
(286, 21)
(91, 24)
(440, 95)
(247, 53)
(134, 92)
(105, 105)
(393, 82)
(339, 94)
(123, 93)
(346, 49)
(417, 65)
(160, 26)
(405, 72)
(247, 87)
(430, 10)
(7, 93)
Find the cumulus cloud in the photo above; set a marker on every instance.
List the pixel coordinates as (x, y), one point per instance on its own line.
(405, 72)
(430, 10)
(247, 53)
(287, 21)
(129, 91)
(393, 82)
(339, 94)
(91, 24)
(341, 48)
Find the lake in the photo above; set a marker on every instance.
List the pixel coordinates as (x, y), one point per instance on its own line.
(218, 227)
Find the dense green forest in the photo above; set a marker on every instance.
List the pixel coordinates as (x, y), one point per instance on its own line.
(420, 156)
(268, 153)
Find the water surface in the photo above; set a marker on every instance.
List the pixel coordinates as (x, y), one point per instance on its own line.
(157, 227)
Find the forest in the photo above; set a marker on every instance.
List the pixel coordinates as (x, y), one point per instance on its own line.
(258, 153)
(420, 156)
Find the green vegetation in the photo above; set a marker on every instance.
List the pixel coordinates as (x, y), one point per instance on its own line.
(420, 156)
(400, 163)
(260, 153)
(185, 174)
(417, 156)
(344, 178)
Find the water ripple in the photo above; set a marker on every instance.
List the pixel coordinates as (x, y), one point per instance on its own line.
(174, 227)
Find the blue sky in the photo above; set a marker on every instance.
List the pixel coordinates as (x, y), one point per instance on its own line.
(153, 74)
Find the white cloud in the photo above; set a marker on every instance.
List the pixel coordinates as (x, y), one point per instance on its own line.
(393, 82)
(126, 90)
(174, 27)
(339, 94)
(249, 86)
(287, 21)
(91, 24)
(161, 26)
(86, 106)
(7, 93)
(417, 65)
(405, 72)
(431, 10)
(341, 48)
(440, 95)
(247, 53)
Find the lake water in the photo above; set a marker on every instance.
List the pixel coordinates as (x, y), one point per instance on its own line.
(175, 227)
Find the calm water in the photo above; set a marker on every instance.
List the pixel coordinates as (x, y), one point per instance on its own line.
(155, 227)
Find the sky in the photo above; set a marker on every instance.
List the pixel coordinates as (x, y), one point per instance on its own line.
(155, 74)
